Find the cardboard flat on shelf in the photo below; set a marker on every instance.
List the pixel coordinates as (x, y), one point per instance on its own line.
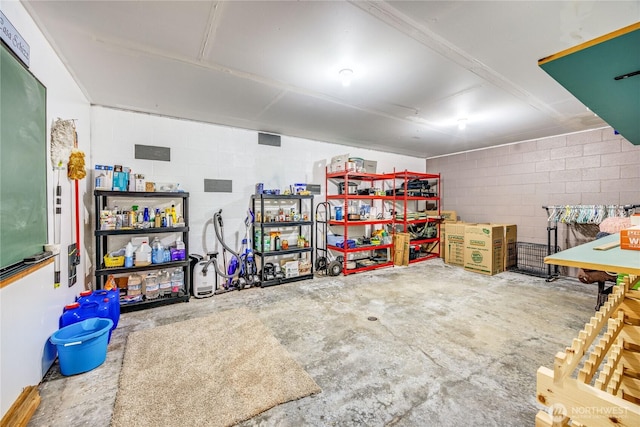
(401, 248)
(510, 245)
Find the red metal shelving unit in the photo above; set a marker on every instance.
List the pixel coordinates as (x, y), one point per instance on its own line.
(382, 182)
(408, 197)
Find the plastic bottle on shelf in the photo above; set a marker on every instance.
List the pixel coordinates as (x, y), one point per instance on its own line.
(157, 251)
(143, 255)
(134, 215)
(174, 217)
(128, 255)
(177, 281)
(152, 218)
(164, 282)
(134, 285)
(152, 287)
(158, 219)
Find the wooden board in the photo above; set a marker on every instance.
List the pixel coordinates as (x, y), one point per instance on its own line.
(607, 246)
(603, 75)
(23, 408)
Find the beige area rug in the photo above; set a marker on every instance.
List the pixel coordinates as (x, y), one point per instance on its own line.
(212, 371)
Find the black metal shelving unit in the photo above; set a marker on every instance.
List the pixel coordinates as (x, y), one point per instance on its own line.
(261, 205)
(101, 201)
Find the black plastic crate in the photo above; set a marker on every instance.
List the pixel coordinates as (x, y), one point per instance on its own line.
(529, 259)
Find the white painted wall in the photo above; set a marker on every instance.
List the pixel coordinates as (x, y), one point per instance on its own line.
(30, 307)
(200, 151)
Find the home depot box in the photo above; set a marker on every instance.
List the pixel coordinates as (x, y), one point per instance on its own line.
(401, 248)
(447, 216)
(483, 248)
(454, 242)
(338, 163)
(630, 238)
(442, 234)
(510, 245)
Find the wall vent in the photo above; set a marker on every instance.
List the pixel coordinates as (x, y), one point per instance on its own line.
(152, 152)
(268, 139)
(218, 186)
(314, 188)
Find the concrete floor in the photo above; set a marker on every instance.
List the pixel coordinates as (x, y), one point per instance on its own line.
(448, 348)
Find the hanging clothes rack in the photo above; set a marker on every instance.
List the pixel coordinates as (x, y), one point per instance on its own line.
(577, 214)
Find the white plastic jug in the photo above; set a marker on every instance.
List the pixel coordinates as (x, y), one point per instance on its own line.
(143, 255)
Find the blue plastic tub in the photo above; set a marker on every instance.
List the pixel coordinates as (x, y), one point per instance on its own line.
(82, 346)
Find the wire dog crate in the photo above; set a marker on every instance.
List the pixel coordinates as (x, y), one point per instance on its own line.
(528, 258)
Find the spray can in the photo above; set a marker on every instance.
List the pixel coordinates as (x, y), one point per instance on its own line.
(158, 219)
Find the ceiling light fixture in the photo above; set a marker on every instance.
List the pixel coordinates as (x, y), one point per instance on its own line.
(345, 76)
(462, 124)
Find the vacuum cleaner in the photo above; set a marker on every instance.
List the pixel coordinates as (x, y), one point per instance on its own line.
(203, 284)
(239, 274)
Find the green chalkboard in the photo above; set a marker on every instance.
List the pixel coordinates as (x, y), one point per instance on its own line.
(23, 162)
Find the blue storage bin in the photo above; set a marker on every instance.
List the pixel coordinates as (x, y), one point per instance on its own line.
(350, 244)
(334, 239)
(82, 346)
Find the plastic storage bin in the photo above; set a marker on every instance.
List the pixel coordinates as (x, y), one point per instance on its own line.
(82, 346)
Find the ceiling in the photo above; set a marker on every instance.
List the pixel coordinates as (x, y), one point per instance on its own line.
(273, 66)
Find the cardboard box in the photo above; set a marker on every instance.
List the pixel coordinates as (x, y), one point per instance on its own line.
(510, 245)
(370, 166)
(338, 163)
(447, 216)
(141, 184)
(401, 248)
(483, 248)
(290, 269)
(454, 243)
(630, 238)
(443, 236)
(103, 177)
(120, 181)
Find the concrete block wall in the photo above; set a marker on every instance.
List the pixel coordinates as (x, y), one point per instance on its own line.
(511, 183)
